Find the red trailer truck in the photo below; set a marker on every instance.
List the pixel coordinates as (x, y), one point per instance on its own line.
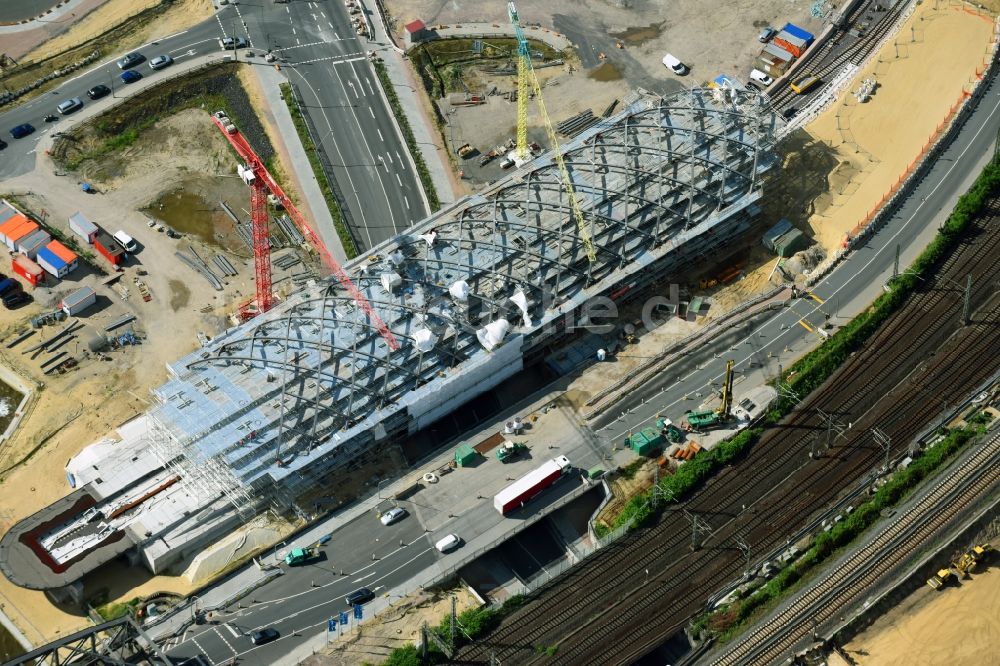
(529, 485)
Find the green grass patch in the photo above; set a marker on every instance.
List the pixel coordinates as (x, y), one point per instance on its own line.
(115, 610)
(350, 249)
(411, 142)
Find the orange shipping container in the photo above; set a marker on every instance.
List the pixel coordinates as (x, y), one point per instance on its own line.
(63, 252)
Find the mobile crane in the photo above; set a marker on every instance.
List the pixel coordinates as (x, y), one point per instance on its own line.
(709, 417)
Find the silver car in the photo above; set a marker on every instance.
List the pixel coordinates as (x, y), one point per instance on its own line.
(159, 62)
(392, 515)
(70, 105)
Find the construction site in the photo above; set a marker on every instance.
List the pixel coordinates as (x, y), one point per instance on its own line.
(294, 399)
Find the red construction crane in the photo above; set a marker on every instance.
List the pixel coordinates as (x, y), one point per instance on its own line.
(256, 175)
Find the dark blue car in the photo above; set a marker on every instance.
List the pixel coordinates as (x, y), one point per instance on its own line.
(131, 76)
(22, 131)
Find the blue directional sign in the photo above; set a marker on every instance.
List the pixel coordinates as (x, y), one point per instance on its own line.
(331, 625)
(343, 617)
(358, 611)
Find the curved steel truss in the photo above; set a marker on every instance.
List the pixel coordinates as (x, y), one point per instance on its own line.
(286, 390)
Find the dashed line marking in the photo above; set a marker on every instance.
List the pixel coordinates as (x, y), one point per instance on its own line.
(235, 633)
(330, 24)
(293, 30)
(806, 326)
(225, 640)
(402, 162)
(329, 58)
(204, 652)
(371, 112)
(399, 180)
(406, 200)
(382, 138)
(389, 155)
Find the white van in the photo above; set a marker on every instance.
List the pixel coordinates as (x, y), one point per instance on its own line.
(675, 65)
(127, 242)
(760, 77)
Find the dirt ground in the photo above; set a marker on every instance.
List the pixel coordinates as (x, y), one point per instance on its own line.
(959, 625)
(646, 28)
(183, 14)
(105, 395)
(872, 147)
(392, 628)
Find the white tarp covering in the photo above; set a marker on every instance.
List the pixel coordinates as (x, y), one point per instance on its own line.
(521, 301)
(391, 280)
(396, 258)
(491, 335)
(423, 340)
(429, 238)
(459, 290)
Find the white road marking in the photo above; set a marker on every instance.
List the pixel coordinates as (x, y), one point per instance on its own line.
(398, 180)
(335, 34)
(380, 134)
(298, 41)
(191, 45)
(374, 573)
(389, 155)
(401, 160)
(329, 58)
(330, 24)
(203, 652)
(287, 10)
(406, 200)
(353, 89)
(369, 82)
(235, 633)
(384, 165)
(225, 640)
(371, 112)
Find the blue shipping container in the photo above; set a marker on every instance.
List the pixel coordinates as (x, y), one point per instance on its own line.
(52, 264)
(795, 30)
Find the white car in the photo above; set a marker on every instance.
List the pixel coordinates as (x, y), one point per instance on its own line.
(392, 515)
(760, 77)
(159, 62)
(450, 542)
(675, 65)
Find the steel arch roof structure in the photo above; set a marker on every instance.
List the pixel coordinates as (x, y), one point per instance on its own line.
(461, 290)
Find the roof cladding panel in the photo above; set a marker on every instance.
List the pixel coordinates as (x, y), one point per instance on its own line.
(313, 373)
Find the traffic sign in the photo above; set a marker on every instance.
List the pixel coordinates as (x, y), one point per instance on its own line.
(331, 625)
(358, 611)
(343, 617)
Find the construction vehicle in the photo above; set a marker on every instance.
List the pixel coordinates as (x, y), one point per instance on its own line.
(465, 151)
(940, 579)
(966, 564)
(300, 556)
(510, 450)
(709, 417)
(672, 432)
(526, 77)
(260, 181)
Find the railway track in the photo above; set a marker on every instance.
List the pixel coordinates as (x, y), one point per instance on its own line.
(825, 599)
(819, 61)
(613, 585)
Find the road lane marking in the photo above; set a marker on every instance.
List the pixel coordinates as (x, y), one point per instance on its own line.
(401, 160)
(298, 41)
(398, 180)
(293, 30)
(203, 652)
(366, 576)
(235, 633)
(382, 138)
(225, 640)
(371, 112)
(806, 326)
(389, 155)
(816, 298)
(335, 34)
(369, 82)
(406, 200)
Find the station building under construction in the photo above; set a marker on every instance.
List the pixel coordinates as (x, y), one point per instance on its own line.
(473, 294)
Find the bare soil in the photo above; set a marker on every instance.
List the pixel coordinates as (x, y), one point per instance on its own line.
(958, 625)
(392, 628)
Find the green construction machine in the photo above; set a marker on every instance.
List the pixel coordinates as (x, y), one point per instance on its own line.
(510, 450)
(712, 417)
(300, 556)
(674, 434)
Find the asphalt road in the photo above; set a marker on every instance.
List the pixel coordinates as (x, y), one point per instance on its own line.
(299, 603)
(852, 285)
(324, 58)
(363, 150)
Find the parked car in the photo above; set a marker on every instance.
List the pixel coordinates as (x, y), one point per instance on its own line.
(766, 34)
(362, 596)
(131, 60)
(98, 91)
(230, 43)
(70, 105)
(3, 144)
(450, 542)
(760, 77)
(131, 76)
(16, 299)
(393, 515)
(22, 130)
(264, 636)
(159, 62)
(675, 65)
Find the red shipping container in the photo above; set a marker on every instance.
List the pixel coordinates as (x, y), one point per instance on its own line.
(789, 45)
(28, 269)
(108, 249)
